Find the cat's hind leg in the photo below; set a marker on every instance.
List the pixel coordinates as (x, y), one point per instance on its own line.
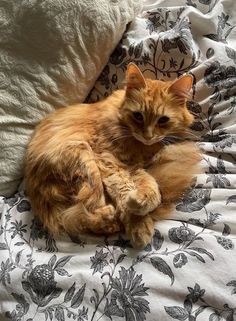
(77, 219)
(68, 193)
(89, 214)
(141, 201)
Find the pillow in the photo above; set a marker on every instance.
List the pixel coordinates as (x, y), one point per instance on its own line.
(51, 53)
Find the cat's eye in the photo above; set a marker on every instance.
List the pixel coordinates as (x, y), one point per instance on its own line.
(163, 120)
(138, 116)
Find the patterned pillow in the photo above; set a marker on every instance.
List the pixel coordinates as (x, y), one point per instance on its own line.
(51, 53)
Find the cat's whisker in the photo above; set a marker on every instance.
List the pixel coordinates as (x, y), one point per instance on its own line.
(118, 135)
(185, 135)
(120, 127)
(122, 130)
(173, 137)
(119, 138)
(192, 135)
(170, 139)
(165, 142)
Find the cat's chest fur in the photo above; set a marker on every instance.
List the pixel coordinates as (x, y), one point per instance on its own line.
(132, 152)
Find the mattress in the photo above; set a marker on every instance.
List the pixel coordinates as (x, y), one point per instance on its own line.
(188, 271)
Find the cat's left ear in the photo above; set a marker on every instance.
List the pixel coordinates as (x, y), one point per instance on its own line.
(181, 87)
(134, 77)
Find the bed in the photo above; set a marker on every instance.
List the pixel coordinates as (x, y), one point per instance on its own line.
(188, 271)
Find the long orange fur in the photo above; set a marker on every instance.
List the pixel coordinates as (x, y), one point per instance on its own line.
(102, 167)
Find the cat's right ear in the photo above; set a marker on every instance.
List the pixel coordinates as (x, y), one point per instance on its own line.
(134, 78)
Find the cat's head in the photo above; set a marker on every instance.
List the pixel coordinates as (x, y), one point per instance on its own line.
(155, 109)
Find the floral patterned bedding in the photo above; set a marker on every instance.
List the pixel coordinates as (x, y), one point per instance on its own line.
(188, 272)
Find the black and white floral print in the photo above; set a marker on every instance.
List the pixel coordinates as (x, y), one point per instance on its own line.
(187, 272)
(187, 311)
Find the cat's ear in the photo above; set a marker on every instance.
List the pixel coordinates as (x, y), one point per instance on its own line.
(134, 78)
(181, 87)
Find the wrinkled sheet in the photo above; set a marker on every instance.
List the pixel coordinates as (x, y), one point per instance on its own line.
(188, 272)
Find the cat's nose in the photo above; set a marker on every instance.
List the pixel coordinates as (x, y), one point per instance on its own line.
(148, 133)
(147, 137)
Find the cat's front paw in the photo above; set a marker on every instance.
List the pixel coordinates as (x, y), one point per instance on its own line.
(142, 202)
(140, 234)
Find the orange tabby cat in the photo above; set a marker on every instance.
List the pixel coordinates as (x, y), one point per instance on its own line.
(107, 166)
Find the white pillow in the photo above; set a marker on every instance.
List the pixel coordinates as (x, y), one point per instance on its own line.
(51, 53)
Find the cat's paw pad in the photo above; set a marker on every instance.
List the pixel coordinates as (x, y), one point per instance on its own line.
(142, 203)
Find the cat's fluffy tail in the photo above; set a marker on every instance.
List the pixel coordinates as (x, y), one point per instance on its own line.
(77, 219)
(175, 171)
